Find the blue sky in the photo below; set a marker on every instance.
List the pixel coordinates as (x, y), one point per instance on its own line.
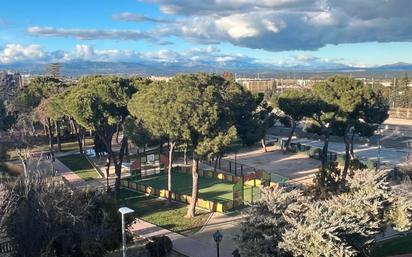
(279, 32)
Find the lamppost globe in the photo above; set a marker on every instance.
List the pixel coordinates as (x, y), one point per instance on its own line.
(125, 210)
(217, 236)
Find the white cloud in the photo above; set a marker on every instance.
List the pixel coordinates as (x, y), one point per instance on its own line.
(127, 16)
(13, 53)
(88, 34)
(208, 56)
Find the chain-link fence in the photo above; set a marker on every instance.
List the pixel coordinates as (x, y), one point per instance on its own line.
(251, 194)
(232, 167)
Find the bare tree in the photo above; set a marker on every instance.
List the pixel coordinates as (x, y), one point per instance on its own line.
(45, 217)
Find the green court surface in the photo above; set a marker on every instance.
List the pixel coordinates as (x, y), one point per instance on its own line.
(209, 188)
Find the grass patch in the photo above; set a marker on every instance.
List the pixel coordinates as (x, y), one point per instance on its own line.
(396, 246)
(74, 145)
(209, 188)
(67, 146)
(155, 210)
(80, 165)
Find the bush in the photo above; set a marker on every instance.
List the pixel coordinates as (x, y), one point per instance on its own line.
(160, 246)
(3, 153)
(406, 167)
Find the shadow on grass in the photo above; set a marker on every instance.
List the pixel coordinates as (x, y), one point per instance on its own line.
(156, 211)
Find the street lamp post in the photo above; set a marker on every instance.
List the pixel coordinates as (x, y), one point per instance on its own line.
(124, 211)
(217, 236)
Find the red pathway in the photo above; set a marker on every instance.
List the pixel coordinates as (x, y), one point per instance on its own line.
(181, 244)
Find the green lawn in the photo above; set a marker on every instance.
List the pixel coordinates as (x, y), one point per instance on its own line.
(155, 210)
(67, 146)
(396, 246)
(80, 165)
(209, 188)
(73, 145)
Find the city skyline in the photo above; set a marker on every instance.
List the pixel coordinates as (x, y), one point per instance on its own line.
(284, 33)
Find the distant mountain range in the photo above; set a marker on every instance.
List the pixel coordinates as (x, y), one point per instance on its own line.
(78, 68)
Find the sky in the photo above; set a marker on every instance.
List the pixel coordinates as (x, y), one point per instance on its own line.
(360, 33)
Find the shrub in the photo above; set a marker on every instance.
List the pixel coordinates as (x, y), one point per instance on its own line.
(160, 246)
(406, 167)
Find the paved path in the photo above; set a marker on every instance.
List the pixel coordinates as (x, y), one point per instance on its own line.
(228, 225)
(69, 175)
(293, 166)
(390, 156)
(181, 244)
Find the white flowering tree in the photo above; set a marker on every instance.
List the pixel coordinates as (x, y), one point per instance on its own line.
(295, 223)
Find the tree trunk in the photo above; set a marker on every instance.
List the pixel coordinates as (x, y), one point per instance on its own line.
(185, 155)
(325, 150)
(127, 152)
(286, 148)
(263, 141)
(83, 137)
(77, 131)
(216, 162)
(59, 145)
(347, 157)
(117, 132)
(352, 155)
(44, 128)
(169, 173)
(51, 143)
(118, 164)
(324, 158)
(108, 189)
(195, 188)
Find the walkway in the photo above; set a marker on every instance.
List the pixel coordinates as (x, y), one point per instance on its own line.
(390, 156)
(69, 175)
(181, 244)
(227, 224)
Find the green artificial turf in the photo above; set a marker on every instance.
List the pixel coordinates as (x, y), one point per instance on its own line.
(80, 165)
(211, 189)
(156, 211)
(396, 246)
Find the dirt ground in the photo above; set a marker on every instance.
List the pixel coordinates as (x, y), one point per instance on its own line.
(393, 121)
(297, 167)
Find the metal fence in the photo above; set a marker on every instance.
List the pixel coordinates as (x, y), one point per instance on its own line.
(232, 167)
(251, 194)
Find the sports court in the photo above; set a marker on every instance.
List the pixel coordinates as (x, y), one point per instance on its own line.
(209, 188)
